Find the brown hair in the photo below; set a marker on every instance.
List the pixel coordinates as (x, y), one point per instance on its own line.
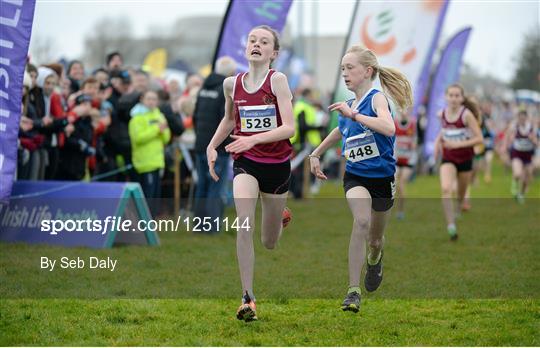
(89, 80)
(31, 68)
(56, 67)
(72, 63)
(25, 101)
(273, 32)
(275, 35)
(523, 112)
(393, 81)
(468, 102)
(143, 94)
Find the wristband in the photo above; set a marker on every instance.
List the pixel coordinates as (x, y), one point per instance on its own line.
(314, 156)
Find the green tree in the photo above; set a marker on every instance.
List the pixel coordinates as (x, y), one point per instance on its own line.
(527, 75)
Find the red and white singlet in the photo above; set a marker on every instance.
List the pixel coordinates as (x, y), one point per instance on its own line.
(405, 142)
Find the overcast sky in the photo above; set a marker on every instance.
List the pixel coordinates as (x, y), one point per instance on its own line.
(498, 26)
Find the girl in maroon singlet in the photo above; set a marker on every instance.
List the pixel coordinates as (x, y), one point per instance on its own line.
(258, 110)
(459, 133)
(522, 141)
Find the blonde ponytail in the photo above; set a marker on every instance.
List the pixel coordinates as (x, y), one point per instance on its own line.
(393, 82)
(396, 85)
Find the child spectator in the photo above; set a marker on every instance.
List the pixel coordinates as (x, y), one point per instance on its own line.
(149, 134)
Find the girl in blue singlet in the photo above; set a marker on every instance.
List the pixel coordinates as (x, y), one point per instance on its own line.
(367, 130)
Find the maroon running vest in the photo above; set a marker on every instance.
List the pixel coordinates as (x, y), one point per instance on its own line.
(456, 131)
(523, 147)
(255, 113)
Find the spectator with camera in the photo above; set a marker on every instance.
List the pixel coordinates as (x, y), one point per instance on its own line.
(78, 141)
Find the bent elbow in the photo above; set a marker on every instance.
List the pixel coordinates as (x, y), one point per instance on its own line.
(291, 131)
(390, 131)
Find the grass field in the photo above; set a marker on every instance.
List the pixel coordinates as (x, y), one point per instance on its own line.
(482, 290)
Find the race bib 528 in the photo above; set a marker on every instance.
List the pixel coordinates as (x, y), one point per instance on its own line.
(257, 118)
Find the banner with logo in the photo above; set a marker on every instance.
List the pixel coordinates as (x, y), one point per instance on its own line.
(240, 18)
(446, 74)
(399, 33)
(423, 80)
(16, 17)
(75, 213)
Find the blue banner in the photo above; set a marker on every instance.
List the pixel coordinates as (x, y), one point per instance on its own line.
(446, 74)
(240, 18)
(16, 17)
(423, 79)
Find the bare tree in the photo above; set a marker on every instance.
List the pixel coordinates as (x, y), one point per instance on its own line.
(109, 34)
(527, 75)
(42, 49)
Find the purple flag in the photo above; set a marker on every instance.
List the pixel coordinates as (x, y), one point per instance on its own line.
(240, 18)
(16, 17)
(446, 74)
(423, 79)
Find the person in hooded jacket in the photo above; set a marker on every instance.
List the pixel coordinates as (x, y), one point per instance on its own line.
(209, 110)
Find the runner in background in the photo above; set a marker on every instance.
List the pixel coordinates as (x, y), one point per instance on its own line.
(406, 155)
(460, 132)
(522, 140)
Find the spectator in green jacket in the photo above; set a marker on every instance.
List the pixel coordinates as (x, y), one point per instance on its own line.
(149, 133)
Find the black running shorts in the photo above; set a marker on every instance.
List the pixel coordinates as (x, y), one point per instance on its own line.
(272, 177)
(461, 167)
(382, 190)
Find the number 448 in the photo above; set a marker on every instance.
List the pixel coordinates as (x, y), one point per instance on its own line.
(367, 151)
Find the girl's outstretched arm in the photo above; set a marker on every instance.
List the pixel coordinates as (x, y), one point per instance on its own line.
(383, 123)
(329, 141)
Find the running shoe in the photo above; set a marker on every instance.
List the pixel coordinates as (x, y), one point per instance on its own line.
(287, 217)
(514, 188)
(247, 310)
(452, 231)
(374, 275)
(351, 302)
(520, 198)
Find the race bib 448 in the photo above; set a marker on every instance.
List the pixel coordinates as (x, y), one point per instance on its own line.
(257, 118)
(361, 147)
